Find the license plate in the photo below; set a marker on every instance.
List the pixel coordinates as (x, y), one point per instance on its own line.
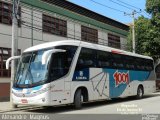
(24, 100)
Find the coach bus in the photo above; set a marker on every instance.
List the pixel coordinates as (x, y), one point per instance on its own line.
(74, 72)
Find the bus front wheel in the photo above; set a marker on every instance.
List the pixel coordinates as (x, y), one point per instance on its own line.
(78, 99)
(14, 106)
(140, 92)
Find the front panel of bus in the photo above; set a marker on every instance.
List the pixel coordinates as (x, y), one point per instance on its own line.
(42, 84)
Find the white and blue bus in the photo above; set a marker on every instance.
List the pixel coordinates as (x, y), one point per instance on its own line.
(73, 72)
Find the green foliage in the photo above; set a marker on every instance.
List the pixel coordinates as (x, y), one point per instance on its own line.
(141, 32)
(152, 6)
(148, 31)
(129, 40)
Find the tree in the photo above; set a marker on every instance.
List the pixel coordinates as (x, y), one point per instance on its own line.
(153, 8)
(148, 31)
(142, 25)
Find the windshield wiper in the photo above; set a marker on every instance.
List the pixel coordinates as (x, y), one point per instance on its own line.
(28, 70)
(20, 73)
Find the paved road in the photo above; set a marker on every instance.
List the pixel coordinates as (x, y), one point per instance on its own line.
(148, 105)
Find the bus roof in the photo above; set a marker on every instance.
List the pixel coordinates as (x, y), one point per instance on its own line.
(83, 44)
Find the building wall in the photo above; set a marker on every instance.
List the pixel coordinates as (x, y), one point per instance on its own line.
(5, 91)
(27, 36)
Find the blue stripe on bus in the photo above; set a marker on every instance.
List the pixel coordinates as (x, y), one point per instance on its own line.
(133, 75)
(34, 88)
(37, 87)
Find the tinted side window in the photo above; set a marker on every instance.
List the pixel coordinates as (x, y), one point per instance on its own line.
(149, 65)
(130, 63)
(61, 62)
(87, 58)
(103, 59)
(117, 61)
(139, 64)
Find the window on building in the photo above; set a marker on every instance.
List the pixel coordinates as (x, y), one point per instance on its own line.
(54, 25)
(114, 41)
(6, 13)
(89, 34)
(5, 53)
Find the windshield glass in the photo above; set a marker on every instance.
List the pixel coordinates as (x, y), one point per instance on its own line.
(30, 71)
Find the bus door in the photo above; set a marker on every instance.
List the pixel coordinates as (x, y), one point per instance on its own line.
(59, 72)
(56, 76)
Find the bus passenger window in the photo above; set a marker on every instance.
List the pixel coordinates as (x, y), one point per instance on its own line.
(103, 59)
(86, 59)
(61, 62)
(118, 61)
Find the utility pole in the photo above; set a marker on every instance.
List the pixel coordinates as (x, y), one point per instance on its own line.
(133, 29)
(133, 32)
(14, 46)
(32, 27)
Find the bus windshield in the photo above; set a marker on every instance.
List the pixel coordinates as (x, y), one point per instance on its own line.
(30, 71)
(33, 72)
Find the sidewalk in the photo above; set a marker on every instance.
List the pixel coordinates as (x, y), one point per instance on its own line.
(6, 107)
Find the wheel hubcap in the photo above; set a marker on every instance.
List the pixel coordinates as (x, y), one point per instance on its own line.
(81, 98)
(140, 92)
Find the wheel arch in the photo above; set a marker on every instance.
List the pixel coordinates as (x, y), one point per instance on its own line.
(84, 91)
(141, 85)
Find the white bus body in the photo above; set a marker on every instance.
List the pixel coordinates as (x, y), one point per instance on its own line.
(77, 72)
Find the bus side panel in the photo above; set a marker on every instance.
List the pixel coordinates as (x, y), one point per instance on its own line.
(95, 80)
(112, 83)
(100, 83)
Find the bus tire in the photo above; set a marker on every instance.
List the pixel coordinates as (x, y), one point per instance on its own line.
(78, 99)
(14, 106)
(140, 92)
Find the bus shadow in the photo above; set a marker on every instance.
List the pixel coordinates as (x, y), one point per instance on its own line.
(86, 106)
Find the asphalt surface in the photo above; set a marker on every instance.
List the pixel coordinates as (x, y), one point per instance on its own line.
(148, 105)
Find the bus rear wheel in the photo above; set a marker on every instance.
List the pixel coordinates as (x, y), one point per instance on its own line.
(140, 92)
(78, 99)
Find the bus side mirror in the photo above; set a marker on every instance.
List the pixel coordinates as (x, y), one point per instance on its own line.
(46, 55)
(10, 59)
